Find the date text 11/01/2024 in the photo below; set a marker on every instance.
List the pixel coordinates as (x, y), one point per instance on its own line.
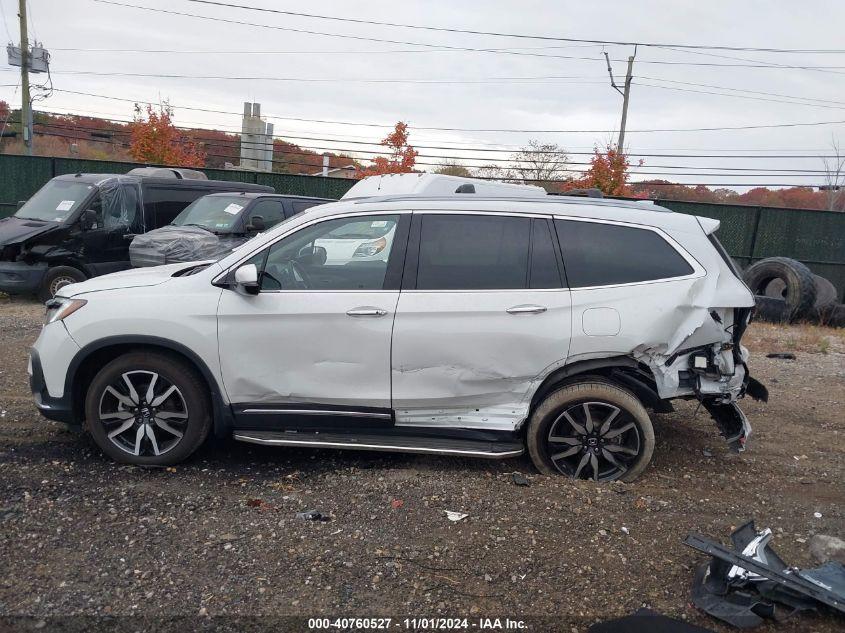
(416, 624)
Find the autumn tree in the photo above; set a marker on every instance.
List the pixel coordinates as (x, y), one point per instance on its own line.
(156, 140)
(539, 162)
(453, 168)
(608, 172)
(402, 156)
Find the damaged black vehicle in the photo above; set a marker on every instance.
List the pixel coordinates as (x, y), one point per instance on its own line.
(79, 226)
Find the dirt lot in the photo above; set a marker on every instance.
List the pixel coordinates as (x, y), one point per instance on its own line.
(218, 536)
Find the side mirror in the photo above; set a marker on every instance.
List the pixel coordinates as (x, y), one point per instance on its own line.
(20, 204)
(89, 219)
(256, 223)
(246, 279)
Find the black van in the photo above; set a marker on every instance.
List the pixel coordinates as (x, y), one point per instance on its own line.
(211, 226)
(80, 226)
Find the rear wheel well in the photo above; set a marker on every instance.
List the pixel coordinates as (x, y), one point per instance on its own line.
(96, 360)
(622, 371)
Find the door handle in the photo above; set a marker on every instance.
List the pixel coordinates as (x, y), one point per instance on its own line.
(366, 311)
(526, 309)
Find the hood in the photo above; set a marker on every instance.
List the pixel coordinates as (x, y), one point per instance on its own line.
(133, 278)
(14, 230)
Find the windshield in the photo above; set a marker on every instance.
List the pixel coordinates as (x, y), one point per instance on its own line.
(214, 213)
(55, 201)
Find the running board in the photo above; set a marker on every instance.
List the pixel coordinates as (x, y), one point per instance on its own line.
(393, 444)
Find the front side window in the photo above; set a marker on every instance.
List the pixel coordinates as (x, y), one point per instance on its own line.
(271, 211)
(596, 254)
(473, 252)
(342, 254)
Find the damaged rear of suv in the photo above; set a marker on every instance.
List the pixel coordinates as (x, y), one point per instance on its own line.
(423, 314)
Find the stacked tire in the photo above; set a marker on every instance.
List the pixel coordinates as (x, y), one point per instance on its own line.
(786, 291)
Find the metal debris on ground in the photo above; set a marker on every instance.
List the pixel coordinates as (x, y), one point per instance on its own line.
(455, 516)
(745, 585)
(783, 355)
(520, 480)
(313, 515)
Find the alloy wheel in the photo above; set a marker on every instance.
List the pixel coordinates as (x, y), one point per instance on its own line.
(593, 440)
(143, 413)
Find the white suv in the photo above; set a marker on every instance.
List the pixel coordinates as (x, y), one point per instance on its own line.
(492, 318)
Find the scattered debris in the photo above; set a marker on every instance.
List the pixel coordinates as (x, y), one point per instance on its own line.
(396, 504)
(626, 530)
(817, 515)
(254, 503)
(783, 355)
(646, 621)
(824, 548)
(455, 516)
(751, 582)
(706, 453)
(520, 480)
(313, 515)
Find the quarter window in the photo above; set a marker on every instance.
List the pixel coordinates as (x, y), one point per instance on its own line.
(597, 254)
(473, 252)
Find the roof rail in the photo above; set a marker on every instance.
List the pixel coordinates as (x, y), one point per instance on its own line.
(591, 192)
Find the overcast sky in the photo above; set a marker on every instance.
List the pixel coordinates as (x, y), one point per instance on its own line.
(490, 89)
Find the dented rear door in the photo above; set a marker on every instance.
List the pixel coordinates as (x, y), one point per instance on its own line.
(482, 318)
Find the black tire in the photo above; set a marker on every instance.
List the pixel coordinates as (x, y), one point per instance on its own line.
(58, 277)
(826, 294)
(800, 285)
(832, 315)
(592, 394)
(771, 310)
(186, 410)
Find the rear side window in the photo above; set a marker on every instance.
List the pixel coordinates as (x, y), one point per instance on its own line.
(597, 254)
(473, 252)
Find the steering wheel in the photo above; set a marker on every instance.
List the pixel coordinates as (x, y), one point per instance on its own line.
(300, 276)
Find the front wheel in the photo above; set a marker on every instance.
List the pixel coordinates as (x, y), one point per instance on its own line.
(56, 278)
(591, 430)
(148, 409)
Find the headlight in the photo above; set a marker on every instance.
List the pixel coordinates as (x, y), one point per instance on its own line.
(370, 248)
(59, 308)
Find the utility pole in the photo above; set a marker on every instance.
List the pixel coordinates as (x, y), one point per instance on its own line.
(626, 95)
(26, 104)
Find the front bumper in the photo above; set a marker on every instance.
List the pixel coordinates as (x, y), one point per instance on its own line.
(58, 409)
(20, 277)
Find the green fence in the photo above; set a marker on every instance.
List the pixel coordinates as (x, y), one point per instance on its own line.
(749, 233)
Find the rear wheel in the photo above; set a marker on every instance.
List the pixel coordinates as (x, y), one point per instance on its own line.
(147, 409)
(591, 430)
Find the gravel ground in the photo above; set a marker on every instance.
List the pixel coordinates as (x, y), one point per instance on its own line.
(217, 536)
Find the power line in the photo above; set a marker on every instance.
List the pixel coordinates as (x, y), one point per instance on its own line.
(434, 46)
(215, 142)
(511, 35)
(459, 129)
(710, 184)
(430, 147)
